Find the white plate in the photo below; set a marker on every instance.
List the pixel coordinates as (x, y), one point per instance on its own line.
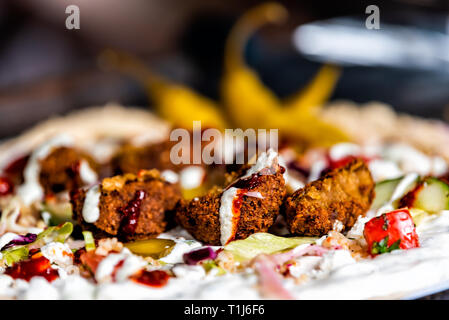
(428, 291)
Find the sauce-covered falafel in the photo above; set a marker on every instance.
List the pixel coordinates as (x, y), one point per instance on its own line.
(247, 205)
(341, 195)
(129, 206)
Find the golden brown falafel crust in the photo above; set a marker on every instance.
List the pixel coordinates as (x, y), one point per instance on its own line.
(132, 159)
(156, 209)
(60, 170)
(343, 194)
(201, 217)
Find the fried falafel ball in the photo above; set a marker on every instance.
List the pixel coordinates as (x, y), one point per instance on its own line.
(195, 179)
(132, 159)
(130, 207)
(67, 168)
(343, 194)
(247, 205)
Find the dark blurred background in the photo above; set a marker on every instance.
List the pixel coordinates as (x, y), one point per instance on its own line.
(46, 69)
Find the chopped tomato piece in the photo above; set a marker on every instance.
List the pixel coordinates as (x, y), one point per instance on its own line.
(155, 278)
(391, 231)
(89, 259)
(6, 186)
(38, 265)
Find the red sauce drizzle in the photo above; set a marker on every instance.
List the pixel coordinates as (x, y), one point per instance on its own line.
(254, 180)
(236, 206)
(27, 269)
(243, 186)
(131, 213)
(156, 278)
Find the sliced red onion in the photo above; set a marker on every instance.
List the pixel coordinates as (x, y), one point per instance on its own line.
(20, 240)
(254, 194)
(270, 281)
(193, 257)
(267, 266)
(312, 250)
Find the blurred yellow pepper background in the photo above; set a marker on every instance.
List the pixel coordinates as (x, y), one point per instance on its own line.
(247, 102)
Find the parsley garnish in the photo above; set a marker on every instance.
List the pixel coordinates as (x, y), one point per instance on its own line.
(382, 246)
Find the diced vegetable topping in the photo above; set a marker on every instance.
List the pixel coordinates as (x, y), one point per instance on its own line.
(196, 256)
(391, 231)
(36, 266)
(210, 265)
(6, 186)
(431, 195)
(89, 259)
(267, 243)
(155, 278)
(384, 190)
(89, 241)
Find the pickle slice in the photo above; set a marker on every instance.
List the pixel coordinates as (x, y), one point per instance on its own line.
(154, 248)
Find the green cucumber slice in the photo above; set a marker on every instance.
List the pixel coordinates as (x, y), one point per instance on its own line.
(384, 190)
(60, 212)
(433, 196)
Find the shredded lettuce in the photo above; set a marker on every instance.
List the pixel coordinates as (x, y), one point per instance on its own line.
(18, 253)
(267, 243)
(13, 255)
(89, 241)
(57, 233)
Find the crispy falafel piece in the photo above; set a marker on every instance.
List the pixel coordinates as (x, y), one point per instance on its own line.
(255, 207)
(343, 194)
(60, 170)
(132, 207)
(132, 159)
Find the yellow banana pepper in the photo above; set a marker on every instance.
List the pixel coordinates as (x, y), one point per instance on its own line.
(251, 105)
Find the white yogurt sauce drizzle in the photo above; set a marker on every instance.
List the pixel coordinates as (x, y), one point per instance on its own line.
(87, 175)
(91, 209)
(131, 264)
(335, 275)
(32, 190)
(226, 213)
(192, 177)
